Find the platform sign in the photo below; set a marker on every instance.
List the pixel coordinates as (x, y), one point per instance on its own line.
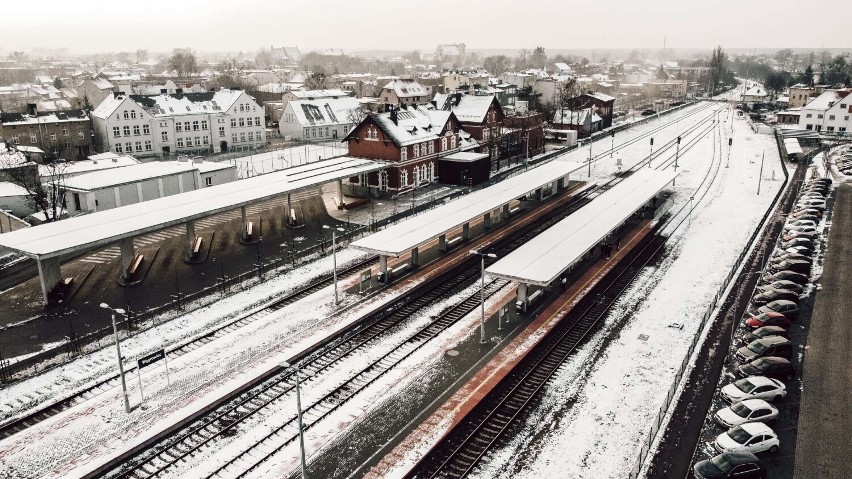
(151, 358)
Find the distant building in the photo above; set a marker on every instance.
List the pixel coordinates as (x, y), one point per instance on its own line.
(192, 123)
(291, 95)
(112, 188)
(799, 95)
(670, 88)
(601, 104)
(451, 54)
(584, 121)
(405, 92)
(320, 119)
(64, 134)
(755, 94)
(95, 90)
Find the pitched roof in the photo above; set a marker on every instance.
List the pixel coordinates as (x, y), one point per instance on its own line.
(601, 96)
(825, 100)
(574, 117)
(413, 124)
(324, 111)
(406, 87)
(467, 108)
(173, 104)
(313, 94)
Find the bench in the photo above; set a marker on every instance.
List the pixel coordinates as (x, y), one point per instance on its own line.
(355, 204)
(454, 241)
(338, 204)
(196, 247)
(134, 265)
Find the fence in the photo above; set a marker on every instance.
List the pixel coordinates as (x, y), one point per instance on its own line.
(733, 273)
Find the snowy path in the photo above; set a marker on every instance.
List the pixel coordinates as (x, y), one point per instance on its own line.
(597, 411)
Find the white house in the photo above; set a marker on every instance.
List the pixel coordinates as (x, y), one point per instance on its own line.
(829, 112)
(318, 120)
(189, 123)
(755, 94)
(106, 189)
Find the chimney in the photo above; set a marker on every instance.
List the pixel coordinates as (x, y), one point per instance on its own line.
(116, 94)
(393, 117)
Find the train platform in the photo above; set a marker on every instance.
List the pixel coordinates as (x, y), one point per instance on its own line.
(416, 445)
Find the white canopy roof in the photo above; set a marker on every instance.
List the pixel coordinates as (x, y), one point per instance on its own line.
(541, 260)
(413, 232)
(85, 232)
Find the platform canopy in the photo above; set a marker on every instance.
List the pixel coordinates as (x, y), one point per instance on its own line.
(544, 258)
(413, 232)
(85, 232)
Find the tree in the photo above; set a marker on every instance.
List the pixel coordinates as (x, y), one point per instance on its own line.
(57, 83)
(141, 55)
(87, 105)
(538, 58)
(496, 64)
(718, 67)
(264, 58)
(775, 82)
(183, 63)
(836, 72)
(807, 76)
(47, 197)
(532, 97)
(316, 81)
(661, 73)
(784, 58)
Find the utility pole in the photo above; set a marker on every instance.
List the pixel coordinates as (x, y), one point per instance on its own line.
(612, 148)
(760, 176)
(482, 291)
(113, 312)
(652, 152)
(730, 142)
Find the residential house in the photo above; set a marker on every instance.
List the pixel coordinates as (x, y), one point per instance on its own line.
(755, 95)
(95, 90)
(404, 92)
(799, 95)
(191, 123)
(320, 119)
(670, 88)
(829, 112)
(452, 81)
(64, 134)
(481, 116)
(413, 140)
(584, 121)
(602, 104)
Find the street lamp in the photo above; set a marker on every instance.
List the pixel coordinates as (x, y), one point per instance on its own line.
(113, 311)
(296, 371)
(482, 257)
(334, 258)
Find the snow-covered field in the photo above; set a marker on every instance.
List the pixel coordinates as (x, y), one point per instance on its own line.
(75, 440)
(598, 410)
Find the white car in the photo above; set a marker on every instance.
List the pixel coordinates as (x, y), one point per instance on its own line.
(754, 387)
(753, 437)
(811, 203)
(800, 224)
(750, 410)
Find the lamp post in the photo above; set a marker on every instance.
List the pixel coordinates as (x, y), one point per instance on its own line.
(334, 258)
(113, 311)
(652, 152)
(590, 155)
(612, 148)
(482, 257)
(296, 372)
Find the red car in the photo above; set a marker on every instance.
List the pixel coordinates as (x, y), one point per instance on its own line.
(770, 318)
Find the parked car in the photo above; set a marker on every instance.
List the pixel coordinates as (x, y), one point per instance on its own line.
(800, 225)
(809, 242)
(764, 332)
(782, 255)
(797, 278)
(782, 284)
(771, 367)
(751, 437)
(806, 212)
(750, 410)
(768, 319)
(795, 265)
(754, 387)
(769, 346)
(648, 112)
(790, 235)
(787, 308)
(812, 194)
(740, 465)
(825, 181)
(802, 250)
(772, 295)
(811, 203)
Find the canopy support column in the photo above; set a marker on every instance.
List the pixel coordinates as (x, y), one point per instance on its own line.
(487, 220)
(340, 191)
(290, 211)
(466, 232)
(128, 252)
(415, 257)
(560, 183)
(383, 267)
(190, 236)
(49, 274)
(245, 221)
(506, 211)
(442, 242)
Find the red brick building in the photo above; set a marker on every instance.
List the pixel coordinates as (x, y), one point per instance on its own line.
(413, 140)
(481, 116)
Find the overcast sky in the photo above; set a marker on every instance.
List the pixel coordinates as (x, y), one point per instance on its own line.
(86, 26)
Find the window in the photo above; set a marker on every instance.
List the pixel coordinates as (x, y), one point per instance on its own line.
(33, 138)
(186, 126)
(403, 153)
(195, 125)
(251, 136)
(135, 130)
(133, 114)
(180, 142)
(809, 127)
(15, 140)
(443, 144)
(431, 147)
(116, 132)
(81, 135)
(118, 148)
(416, 175)
(163, 124)
(53, 137)
(403, 178)
(249, 121)
(234, 137)
(178, 126)
(165, 136)
(808, 115)
(846, 118)
(829, 128)
(830, 117)
(453, 142)
(233, 122)
(257, 121)
(208, 181)
(138, 146)
(486, 133)
(242, 137)
(415, 151)
(148, 146)
(67, 144)
(222, 131)
(843, 105)
(197, 141)
(126, 115)
(126, 131)
(128, 147)
(65, 131)
(204, 125)
(842, 128)
(242, 122)
(146, 130)
(205, 140)
(372, 133)
(242, 107)
(819, 116)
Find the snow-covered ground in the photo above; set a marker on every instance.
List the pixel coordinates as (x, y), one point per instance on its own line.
(73, 441)
(599, 408)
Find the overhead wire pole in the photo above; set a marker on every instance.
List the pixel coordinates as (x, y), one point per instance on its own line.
(113, 312)
(482, 292)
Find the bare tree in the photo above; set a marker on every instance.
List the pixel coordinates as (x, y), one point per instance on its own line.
(46, 196)
(183, 63)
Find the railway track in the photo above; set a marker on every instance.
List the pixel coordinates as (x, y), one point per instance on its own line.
(44, 412)
(465, 446)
